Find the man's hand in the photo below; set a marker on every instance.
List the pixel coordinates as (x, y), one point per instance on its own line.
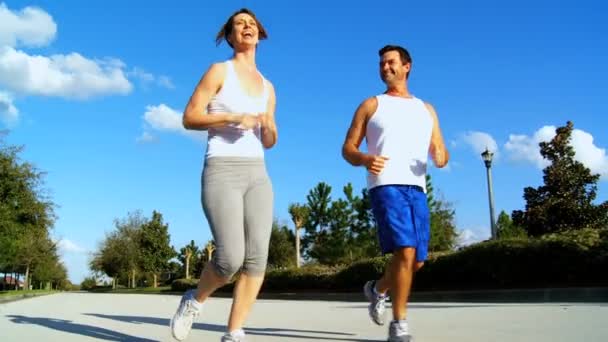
(375, 164)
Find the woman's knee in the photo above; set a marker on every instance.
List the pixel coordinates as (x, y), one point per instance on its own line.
(256, 263)
(226, 265)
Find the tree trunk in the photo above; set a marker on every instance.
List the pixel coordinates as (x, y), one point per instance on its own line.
(26, 280)
(187, 268)
(297, 247)
(133, 280)
(114, 283)
(154, 280)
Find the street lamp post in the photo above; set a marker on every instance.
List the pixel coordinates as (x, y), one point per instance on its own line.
(487, 158)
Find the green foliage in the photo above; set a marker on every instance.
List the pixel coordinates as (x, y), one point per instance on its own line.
(282, 247)
(443, 226)
(565, 200)
(88, 284)
(136, 244)
(556, 261)
(506, 229)
(155, 247)
(26, 219)
(339, 231)
(304, 278)
(181, 285)
(188, 255)
(586, 238)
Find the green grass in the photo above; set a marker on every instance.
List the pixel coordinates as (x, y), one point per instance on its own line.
(28, 293)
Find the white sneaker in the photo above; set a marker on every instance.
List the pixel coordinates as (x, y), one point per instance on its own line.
(398, 331)
(234, 336)
(182, 320)
(377, 307)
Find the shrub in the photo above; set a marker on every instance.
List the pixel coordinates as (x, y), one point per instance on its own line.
(88, 284)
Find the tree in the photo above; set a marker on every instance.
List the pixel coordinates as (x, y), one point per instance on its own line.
(299, 215)
(281, 248)
(565, 200)
(155, 246)
(344, 229)
(26, 213)
(119, 254)
(109, 258)
(208, 250)
(505, 228)
(187, 254)
(443, 228)
(318, 203)
(363, 235)
(88, 283)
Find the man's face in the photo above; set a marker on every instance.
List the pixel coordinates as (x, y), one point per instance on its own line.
(392, 70)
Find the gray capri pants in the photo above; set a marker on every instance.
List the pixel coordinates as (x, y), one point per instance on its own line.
(237, 199)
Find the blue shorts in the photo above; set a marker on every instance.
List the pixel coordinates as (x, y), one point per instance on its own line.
(403, 218)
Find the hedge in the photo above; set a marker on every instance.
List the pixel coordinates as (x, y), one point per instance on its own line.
(558, 260)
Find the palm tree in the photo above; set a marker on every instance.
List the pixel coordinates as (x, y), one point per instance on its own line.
(209, 248)
(299, 214)
(188, 252)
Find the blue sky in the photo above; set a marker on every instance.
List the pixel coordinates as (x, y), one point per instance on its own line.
(95, 93)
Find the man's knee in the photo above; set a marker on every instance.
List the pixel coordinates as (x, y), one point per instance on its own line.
(418, 266)
(405, 254)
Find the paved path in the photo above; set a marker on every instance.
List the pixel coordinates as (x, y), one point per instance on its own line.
(143, 318)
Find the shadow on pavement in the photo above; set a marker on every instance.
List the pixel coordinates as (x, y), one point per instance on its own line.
(76, 328)
(274, 332)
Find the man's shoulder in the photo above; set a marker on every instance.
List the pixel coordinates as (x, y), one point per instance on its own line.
(369, 105)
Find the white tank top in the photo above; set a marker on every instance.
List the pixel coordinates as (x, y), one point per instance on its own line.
(231, 141)
(400, 129)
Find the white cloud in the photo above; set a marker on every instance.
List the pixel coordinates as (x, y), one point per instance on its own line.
(8, 112)
(479, 141)
(69, 246)
(470, 236)
(148, 78)
(69, 76)
(164, 118)
(165, 81)
(587, 153)
(30, 27)
(526, 149)
(141, 74)
(146, 137)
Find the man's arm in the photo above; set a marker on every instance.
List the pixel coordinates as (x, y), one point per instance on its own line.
(437, 149)
(354, 137)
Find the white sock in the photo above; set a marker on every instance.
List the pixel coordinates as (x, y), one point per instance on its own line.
(195, 302)
(404, 328)
(237, 332)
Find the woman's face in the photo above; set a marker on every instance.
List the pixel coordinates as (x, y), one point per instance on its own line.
(244, 30)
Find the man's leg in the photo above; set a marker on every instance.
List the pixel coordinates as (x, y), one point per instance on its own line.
(402, 271)
(383, 285)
